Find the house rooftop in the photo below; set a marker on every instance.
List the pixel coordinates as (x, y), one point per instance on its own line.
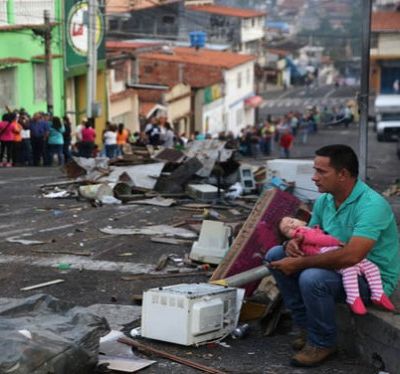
(226, 11)
(123, 6)
(225, 60)
(385, 21)
(128, 45)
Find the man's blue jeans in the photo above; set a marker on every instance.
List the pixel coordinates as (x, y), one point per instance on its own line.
(311, 296)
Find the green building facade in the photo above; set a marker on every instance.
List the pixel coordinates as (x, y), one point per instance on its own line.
(22, 55)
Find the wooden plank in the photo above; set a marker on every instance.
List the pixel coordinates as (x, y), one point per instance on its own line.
(150, 350)
(40, 285)
(258, 234)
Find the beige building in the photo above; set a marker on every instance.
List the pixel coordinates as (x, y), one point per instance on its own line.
(385, 52)
(123, 102)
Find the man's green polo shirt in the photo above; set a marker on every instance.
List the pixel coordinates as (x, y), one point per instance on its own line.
(365, 213)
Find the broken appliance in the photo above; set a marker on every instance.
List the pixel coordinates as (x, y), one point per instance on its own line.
(213, 243)
(203, 192)
(189, 314)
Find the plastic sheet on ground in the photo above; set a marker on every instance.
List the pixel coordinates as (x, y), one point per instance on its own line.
(118, 356)
(164, 230)
(208, 152)
(40, 335)
(143, 176)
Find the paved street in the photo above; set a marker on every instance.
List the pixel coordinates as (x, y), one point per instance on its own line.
(299, 98)
(98, 261)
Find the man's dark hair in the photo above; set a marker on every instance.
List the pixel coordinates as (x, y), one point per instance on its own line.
(341, 157)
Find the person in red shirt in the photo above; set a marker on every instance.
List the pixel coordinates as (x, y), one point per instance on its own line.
(87, 141)
(286, 143)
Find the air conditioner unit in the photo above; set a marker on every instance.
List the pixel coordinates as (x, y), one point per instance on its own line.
(189, 314)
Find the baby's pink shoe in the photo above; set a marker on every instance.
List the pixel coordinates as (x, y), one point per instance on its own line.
(358, 307)
(384, 302)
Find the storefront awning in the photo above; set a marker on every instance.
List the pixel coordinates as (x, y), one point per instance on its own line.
(253, 101)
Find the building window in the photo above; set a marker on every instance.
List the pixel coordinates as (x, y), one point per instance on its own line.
(119, 72)
(374, 40)
(8, 87)
(253, 22)
(248, 76)
(39, 77)
(239, 117)
(239, 80)
(168, 20)
(3, 12)
(31, 11)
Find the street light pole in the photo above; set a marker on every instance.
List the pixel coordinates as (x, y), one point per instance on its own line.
(364, 93)
(92, 60)
(48, 62)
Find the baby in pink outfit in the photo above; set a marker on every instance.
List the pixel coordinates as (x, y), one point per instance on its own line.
(315, 241)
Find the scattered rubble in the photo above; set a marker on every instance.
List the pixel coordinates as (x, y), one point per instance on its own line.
(225, 224)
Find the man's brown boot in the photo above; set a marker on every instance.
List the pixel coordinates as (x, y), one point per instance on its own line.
(300, 340)
(311, 356)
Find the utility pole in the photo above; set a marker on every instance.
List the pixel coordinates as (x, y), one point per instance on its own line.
(92, 62)
(48, 62)
(364, 94)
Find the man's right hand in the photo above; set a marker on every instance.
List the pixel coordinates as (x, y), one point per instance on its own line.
(292, 248)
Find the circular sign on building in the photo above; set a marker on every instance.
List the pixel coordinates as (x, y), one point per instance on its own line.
(78, 27)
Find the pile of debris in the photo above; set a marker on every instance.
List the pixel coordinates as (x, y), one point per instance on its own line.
(204, 171)
(393, 190)
(229, 234)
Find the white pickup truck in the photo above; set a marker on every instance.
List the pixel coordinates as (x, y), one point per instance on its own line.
(387, 112)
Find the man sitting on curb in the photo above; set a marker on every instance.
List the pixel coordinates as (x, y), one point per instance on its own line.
(355, 214)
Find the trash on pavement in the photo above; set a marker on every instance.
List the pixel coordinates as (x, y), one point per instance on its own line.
(234, 191)
(41, 285)
(393, 190)
(241, 331)
(146, 349)
(110, 200)
(41, 334)
(208, 152)
(247, 178)
(175, 182)
(95, 191)
(164, 230)
(213, 242)
(57, 195)
(204, 192)
(196, 313)
(26, 241)
(157, 201)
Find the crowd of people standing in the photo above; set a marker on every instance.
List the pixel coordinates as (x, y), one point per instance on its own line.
(281, 132)
(37, 140)
(26, 141)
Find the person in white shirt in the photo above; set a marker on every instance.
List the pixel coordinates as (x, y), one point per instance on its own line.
(110, 141)
(168, 137)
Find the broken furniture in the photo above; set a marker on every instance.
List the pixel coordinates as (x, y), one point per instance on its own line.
(258, 234)
(213, 243)
(189, 313)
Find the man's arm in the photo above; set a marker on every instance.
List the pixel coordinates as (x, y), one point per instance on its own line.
(352, 253)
